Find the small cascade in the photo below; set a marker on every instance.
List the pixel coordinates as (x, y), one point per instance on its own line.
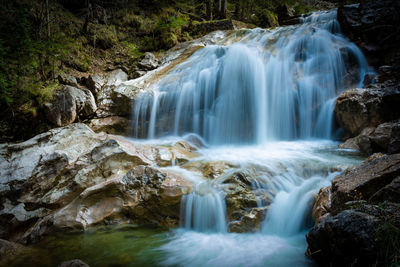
(289, 214)
(256, 86)
(203, 210)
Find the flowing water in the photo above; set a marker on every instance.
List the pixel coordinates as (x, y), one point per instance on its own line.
(262, 100)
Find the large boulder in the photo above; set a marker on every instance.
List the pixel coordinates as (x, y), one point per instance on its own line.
(364, 181)
(144, 194)
(116, 98)
(357, 109)
(384, 138)
(92, 176)
(345, 239)
(70, 103)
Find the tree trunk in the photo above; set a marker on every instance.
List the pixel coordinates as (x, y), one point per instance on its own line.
(48, 18)
(209, 9)
(223, 9)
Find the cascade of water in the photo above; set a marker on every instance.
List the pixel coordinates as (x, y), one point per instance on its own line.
(203, 210)
(268, 85)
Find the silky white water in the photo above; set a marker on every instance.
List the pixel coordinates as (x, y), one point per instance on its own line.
(256, 86)
(263, 101)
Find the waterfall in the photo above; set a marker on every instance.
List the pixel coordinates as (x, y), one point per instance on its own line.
(260, 86)
(204, 210)
(263, 101)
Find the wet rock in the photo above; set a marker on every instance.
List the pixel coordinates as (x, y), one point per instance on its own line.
(242, 201)
(322, 205)
(149, 62)
(111, 125)
(73, 263)
(363, 181)
(250, 222)
(383, 138)
(144, 194)
(69, 104)
(209, 169)
(367, 104)
(347, 238)
(85, 175)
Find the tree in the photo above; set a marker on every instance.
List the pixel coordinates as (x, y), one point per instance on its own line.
(209, 9)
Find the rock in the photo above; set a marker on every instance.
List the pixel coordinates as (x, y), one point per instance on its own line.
(138, 73)
(373, 26)
(70, 103)
(390, 192)
(322, 205)
(72, 178)
(209, 170)
(362, 142)
(347, 238)
(144, 194)
(73, 263)
(250, 222)
(149, 62)
(242, 202)
(363, 102)
(68, 80)
(363, 181)
(116, 97)
(116, 77)
(111, 125)
(383, 138)
(357, 109)
(8, 248)
(94, 83)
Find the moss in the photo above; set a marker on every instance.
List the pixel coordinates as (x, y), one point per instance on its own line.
(102, 36)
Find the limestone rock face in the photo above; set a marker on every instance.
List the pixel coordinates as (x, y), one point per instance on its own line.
(70, 103)
(71, 177)
(363, 181)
